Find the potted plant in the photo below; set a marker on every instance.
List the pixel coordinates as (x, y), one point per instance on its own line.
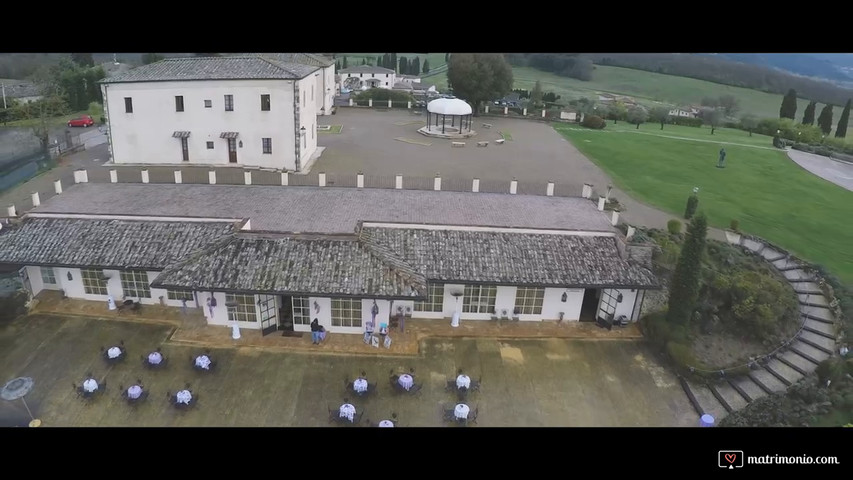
(733, 233)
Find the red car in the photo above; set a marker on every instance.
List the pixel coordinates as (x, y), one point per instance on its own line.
(82, 121)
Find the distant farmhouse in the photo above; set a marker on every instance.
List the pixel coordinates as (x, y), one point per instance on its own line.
(21, 91)
(364, 77)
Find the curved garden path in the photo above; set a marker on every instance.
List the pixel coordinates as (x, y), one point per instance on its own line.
(814, 343)
(838, 172)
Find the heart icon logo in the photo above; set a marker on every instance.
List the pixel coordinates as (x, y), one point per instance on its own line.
(731, 457)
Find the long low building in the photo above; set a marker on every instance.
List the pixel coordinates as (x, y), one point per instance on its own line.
(275, 258)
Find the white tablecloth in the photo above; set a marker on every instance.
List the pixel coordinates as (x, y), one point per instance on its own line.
(386, 423)
(347, 410)
(134, 392)
(184, 396)
(359, 385)
(461, 411)
(202, 361)
(154, 358)
(114, 352)
(90, 385)
(406, 381)
(463, 381)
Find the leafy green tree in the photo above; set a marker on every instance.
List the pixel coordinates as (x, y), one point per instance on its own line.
(841, 128)
(151, 58)
(824, 120)
(808, 115)
(426, 65)
(749, 122)
(83, 59)
(712, 117)
(446, 57)
(659, 115)
(479, 77)
(637, 115)
(386, 61)
(393, 64)
(789, 105)
(684, 287)
(378, 60)
(363, 61)
(403, 64)
(729, 104)
(536, 95)
(344, 65)
(617, 111)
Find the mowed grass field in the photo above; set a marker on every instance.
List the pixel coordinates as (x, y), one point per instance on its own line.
(766, 192)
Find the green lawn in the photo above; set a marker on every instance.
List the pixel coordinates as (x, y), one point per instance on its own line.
(765, 191)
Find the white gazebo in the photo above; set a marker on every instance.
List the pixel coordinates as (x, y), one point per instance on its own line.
(441, 110)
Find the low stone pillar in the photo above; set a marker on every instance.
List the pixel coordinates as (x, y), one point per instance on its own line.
(437, 183)
(549, 191)
(285, 179)
(144, 174)
(247, 178)
(359, 180)
(369, 102)
(524, 111)
(398, 182)
(321, 180)
(614, 217)
(631, 232)
(350, 102)
(487, 109)
(389, 103)
(513, 187)
(587, 190)
(11, 212)
(81, 176)
(409, 105)
(179, 178)
(57, 186)
(543, 113)
(211, 177)
(475, 185)
(113, 176)
(36, 199)
(601, 201)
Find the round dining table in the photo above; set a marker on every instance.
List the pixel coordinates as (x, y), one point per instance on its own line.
(359, 385)
(90, 385)
(461, 411)
(386, 423)
(134, 392)
(406, 381)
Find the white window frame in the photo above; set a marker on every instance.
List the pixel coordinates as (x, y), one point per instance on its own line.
(529, 300)
(244, 311)
(92, 283)
(180, 294)
(435, 299)
(134, 283)
(48, 275)
(346, 312)
(479, 298)
(301, 310)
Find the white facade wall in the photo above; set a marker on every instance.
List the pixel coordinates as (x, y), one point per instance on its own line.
(145, 136)
(387, 80)
(553, 304)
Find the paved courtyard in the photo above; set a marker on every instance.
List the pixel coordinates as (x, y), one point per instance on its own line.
(531, 383)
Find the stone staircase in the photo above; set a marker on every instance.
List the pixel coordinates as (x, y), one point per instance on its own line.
(815, 342)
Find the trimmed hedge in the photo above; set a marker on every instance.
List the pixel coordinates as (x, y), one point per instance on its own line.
(594, 122)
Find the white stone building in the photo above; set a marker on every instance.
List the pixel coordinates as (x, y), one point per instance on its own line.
(409, 253)
(247, 110)
(364, 77)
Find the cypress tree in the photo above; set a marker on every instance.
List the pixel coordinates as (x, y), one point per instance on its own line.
(808, 115)
(789, 105)
(426, 65)
(378, 60)
(824, 120)
(684, 288)
(841, 129)
(393, 64)
(345, 62)
(415, 68)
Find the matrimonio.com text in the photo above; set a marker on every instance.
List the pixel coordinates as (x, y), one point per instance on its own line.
(732, 459)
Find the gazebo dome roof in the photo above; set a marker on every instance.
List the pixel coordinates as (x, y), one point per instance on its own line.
(449, 106)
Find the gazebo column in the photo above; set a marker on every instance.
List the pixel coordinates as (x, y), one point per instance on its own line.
(443, 121)
(453, 120)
